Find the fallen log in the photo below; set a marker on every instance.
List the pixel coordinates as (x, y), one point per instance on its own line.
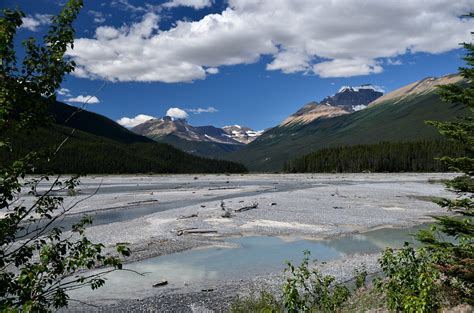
(195, 231)
(182, 217)
(246, 208)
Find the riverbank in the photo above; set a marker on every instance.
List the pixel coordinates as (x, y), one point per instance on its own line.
(162, 215)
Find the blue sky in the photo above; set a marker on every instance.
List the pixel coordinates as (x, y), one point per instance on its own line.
(255, 61)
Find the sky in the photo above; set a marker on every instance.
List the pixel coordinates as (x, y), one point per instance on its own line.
(246, 62)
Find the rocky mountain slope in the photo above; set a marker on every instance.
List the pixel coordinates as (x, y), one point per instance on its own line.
(397, 116)
(161, 127)
(208, 141)
(353, 99)
(242, 134)
(347, 100)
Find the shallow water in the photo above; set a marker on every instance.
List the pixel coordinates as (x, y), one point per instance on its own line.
(254, 255)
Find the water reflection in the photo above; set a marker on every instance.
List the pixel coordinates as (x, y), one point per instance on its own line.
(254, 255)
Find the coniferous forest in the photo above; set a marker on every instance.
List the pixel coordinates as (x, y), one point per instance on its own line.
(417, 156)
(87, 153)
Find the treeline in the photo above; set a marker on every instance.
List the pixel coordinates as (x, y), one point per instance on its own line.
(85, 153)
(418, 156)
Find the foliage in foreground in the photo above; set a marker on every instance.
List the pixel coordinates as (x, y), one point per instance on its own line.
(306, 290)
(445, 262)
(39, 263)
(440, 273)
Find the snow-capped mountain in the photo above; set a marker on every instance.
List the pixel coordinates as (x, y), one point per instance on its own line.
(161, 127)
(347, 100)
(241, 134)
(352, 98)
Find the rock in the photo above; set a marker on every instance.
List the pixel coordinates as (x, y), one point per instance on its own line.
(161, 283)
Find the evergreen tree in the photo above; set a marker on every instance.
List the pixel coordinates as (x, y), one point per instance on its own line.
(456, 259)
(36, 260)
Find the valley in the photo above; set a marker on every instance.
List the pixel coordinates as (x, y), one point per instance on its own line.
(156, 216)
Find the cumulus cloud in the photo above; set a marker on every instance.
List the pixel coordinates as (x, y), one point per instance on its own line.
(83, 99)
(330, 38)
(177, 113)
(33, 22)
(134, 121)
(203, 110)
(196, 4)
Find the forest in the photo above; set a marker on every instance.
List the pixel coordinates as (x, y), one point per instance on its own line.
(416, 156)
(87, 153)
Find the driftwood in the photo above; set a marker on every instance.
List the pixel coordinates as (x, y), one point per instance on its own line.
(195, 231)
(182, 217)
(161, 283)
(246, 208)
(222, 188)
(143, 202)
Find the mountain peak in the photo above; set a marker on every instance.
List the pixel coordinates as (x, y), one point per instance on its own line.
(162, 127)
(353, 99)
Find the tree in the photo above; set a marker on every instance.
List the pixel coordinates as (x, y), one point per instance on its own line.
(456, 259)
(441, 271)
(38, 260)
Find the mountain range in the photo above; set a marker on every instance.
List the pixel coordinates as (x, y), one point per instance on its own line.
(208, 141)
(397, 116)
(355, 116)
(96, 144)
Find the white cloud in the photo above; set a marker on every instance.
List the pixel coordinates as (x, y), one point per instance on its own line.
(125, 5)
(33, 22)
(330, 38)
(196, 4)
(99, 17)
(134, 121)
(203, 110)
(64, 92)
(394, 62)
(177, 113)
(212, 70)
(84, 99)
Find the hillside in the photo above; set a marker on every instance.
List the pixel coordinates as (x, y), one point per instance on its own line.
(200, 148)
(398, 118)
(99, 145)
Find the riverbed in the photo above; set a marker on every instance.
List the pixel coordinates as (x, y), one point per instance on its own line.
(210, 236)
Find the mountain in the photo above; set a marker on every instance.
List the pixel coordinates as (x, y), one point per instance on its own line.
(161, 127)
(397, 116)
(242, 134)
(99, 145)
(347, 100)
(311, 112)
(419, 88)
(353, 98)
(207, 141)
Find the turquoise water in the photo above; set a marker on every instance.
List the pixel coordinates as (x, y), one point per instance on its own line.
(254, 255)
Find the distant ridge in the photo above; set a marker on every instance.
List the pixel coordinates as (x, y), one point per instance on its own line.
(395, 117)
